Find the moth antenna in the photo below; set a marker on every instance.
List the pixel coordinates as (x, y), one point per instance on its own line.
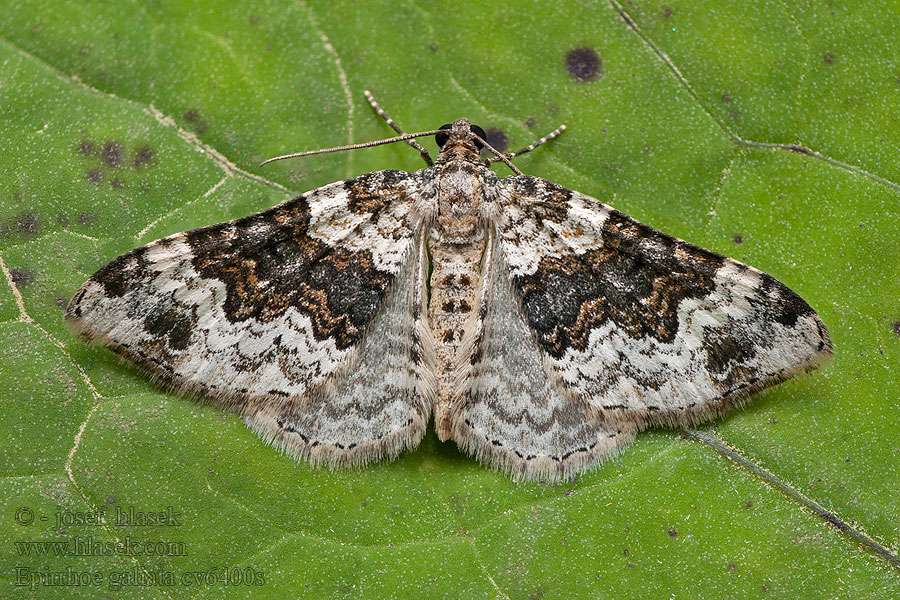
(500, 155)
(533, 145)
(374, 104)
(400, 138)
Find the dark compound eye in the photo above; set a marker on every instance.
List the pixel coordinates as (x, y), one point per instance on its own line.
(441, 138)
(480, 133)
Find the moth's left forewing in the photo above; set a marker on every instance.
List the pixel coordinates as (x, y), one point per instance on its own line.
(643, 327)
(285, 316)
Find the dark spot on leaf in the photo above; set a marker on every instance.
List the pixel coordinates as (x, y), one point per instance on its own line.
(583, 64)
(748, 504)
(666, 12)
(254, 19)
(60, 301)
(22, 277)
(87, 218)
(27, 223)
(143, 156)
(738, 238)
(111, 153)
(94, 176)
(773, 421)
(625, 551)
(86, 147)
(116, 183)
(62, 220)
(673, 533)
(726, 98)
(828, 58)
(192, 116)
(529, 122)
(497, 138)
(896, 327)
(732, 566)
(433, 46)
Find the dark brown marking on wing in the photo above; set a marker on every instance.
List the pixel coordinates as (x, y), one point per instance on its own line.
(270, 264)
(636, 279)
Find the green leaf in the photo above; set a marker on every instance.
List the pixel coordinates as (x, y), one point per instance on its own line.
(763, 131)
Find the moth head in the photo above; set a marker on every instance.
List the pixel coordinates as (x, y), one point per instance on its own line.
(461, 129)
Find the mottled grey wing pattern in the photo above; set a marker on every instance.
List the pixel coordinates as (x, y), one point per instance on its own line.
(507, 411)
(266, 314)
(641, 327)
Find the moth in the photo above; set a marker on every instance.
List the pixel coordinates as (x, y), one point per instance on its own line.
(537, 327)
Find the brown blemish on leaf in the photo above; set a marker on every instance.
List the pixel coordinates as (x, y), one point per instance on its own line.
(673, 533)
(62, 220)
(116, 183)
(192, 116)
(896, 327)
(143, 156)
(738, 238)
(111, 153)
(87, 218)
(828, 58)
(583, 64)
(22, 277)
(497, 138)
(27, 223)
(666, 12)
(86, 147)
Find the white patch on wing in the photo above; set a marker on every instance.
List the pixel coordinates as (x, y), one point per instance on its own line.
(526, 243)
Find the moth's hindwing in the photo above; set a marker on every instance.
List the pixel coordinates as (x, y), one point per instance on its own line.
(508, 412)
